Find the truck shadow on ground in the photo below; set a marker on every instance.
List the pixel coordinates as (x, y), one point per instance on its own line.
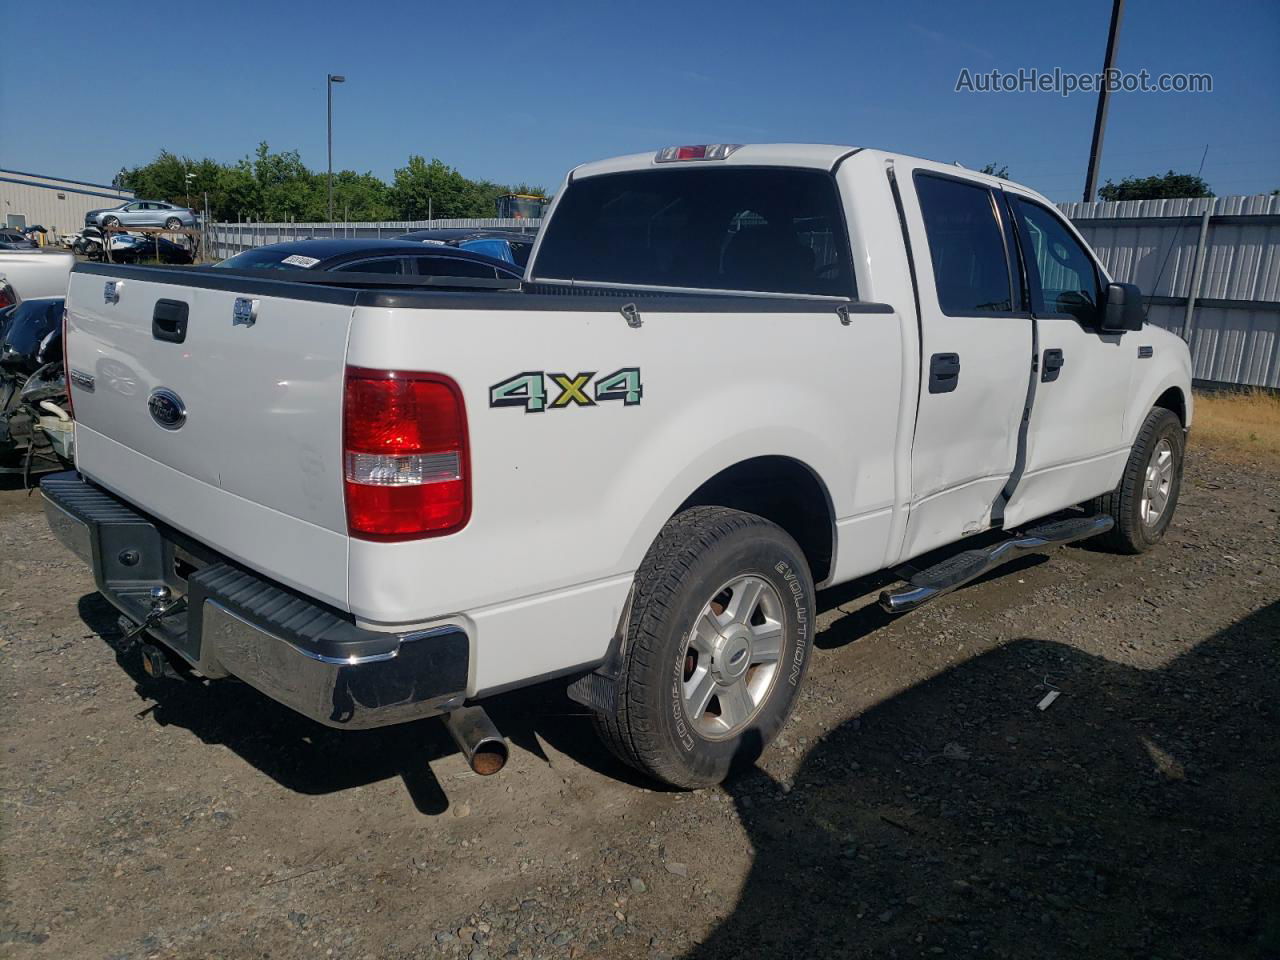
(1136, 817)
(312, 759)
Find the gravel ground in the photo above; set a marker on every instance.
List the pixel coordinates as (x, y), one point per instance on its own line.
(918, 805)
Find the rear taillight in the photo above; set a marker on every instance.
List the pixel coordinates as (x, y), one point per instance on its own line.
(405, 455)
(7, 297)
(66, 367)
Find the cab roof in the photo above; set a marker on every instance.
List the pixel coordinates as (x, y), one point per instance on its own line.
(817, 156)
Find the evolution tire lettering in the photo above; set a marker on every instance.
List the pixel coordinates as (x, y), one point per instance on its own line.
(802, 621)
(529, 390)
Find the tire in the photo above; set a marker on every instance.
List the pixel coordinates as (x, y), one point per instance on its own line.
(688, 632)
(1161, 439)
(173, 223)
(111, 222)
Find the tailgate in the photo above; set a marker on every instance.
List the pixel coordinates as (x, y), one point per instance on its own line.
(229, 431)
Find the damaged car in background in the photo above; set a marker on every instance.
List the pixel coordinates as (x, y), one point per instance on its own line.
(36, 429)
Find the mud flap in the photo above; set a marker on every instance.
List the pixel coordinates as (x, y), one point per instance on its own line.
(598, 689)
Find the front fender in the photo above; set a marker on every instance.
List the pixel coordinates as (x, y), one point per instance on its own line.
(1169, 366)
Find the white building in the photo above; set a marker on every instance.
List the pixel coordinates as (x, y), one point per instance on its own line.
(58, 205)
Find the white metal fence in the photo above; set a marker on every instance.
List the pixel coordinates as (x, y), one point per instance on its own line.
(1210, 268)
(1211, 271)
(223, 240)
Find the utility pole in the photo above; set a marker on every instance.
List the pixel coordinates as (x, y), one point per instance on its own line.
(1104, 98)
(330, 80)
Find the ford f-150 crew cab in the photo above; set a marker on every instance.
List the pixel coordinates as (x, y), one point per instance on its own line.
(730, 374)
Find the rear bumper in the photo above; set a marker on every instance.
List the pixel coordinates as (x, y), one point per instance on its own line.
(291, 648)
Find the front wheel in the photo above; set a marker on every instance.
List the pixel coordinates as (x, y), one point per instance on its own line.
(111, 222)
(717, 646)
(1142, 506)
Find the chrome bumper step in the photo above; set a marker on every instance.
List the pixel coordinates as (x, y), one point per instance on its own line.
(965, 567)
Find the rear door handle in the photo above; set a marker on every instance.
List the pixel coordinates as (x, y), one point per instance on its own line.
(169, 321)
(944, 372)
(1053, 361)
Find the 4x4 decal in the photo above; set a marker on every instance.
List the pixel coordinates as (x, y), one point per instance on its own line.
(529, 390)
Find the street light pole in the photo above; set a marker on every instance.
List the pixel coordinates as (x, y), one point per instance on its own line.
(330, 80)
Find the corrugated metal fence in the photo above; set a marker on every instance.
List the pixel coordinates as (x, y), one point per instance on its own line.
(1210, 268)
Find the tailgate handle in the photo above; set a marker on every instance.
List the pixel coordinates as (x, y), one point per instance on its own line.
(169, 321)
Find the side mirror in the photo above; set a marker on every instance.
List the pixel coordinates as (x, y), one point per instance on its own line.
(1122, 308)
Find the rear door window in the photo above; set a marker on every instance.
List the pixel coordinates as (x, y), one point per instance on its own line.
(773, 230)
(391, 265)
(966, 246)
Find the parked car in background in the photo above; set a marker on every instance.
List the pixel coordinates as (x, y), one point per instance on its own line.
(88, 242)
(396, 257)
(508, 245)
(36, 430)
(132, 248)
(142, 213)
(11, 239)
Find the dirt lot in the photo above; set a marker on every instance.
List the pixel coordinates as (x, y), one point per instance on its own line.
(918, 805)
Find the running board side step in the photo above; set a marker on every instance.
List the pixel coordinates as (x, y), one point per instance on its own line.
(954, 572)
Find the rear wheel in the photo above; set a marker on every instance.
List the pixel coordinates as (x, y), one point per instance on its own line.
(173, 223)
(716, 647)
(1143, 505)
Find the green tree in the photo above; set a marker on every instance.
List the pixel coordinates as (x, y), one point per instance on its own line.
(437, 189)
(164, 178)
(278, 186)
(236, 195)
(358, 197)
(1169, 186)
(1001, 171)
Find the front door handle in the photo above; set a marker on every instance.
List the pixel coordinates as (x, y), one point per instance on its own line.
(1053, 361)
(944, 372)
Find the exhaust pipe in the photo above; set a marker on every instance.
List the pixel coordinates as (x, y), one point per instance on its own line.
(478, 739)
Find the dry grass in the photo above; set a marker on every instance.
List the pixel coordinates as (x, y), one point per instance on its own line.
(1242, 427)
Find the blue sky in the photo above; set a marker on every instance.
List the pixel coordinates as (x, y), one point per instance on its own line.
(525, 91)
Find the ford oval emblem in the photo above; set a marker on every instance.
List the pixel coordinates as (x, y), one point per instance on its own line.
(167, 408)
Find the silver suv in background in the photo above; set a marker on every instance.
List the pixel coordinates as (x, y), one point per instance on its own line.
(142, 213)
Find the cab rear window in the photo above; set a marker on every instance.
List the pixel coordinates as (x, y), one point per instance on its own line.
(773, 230)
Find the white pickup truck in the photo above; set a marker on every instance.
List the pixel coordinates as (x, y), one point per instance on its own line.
(35, 274)
(731, 374)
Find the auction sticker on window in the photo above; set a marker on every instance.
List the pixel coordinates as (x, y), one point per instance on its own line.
(298, 260)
